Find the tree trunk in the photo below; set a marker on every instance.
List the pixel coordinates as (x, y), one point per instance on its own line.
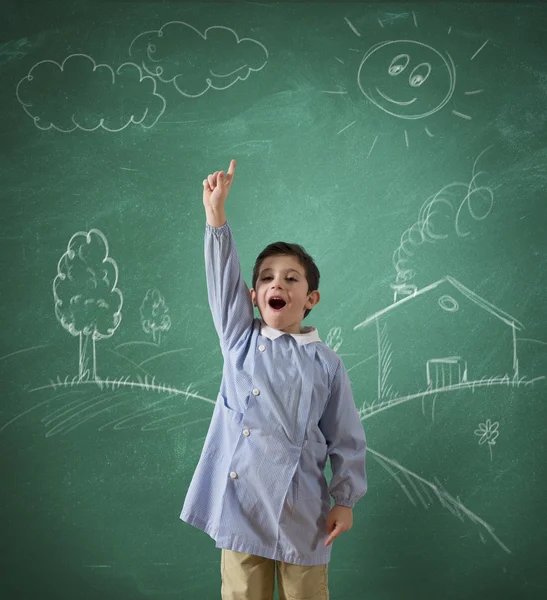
(94, 359)
(83, 363)
(87, 366)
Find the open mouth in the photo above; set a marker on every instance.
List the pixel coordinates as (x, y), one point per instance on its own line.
(276, 303)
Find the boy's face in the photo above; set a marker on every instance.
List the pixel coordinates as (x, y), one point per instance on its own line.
(281, 293)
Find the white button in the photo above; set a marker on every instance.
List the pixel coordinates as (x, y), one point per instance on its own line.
(262, 347)
(233, 475)
(246, 433)
(256, 392)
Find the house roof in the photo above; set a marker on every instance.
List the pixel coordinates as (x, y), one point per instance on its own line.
(494, 310)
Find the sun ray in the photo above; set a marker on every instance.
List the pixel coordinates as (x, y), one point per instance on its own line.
(415, 19)
(379, 21)
(429, 132)
(459, 114)
(344, 128)
(449, 29)
(334, 92)
(406, 138)
(352, 27)
(371, 148)
(339, 60)
(473, 92)
(479, 49)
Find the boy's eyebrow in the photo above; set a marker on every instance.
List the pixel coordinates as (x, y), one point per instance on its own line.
(286, 270)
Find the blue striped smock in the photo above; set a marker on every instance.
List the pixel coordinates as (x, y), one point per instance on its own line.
(285, 405)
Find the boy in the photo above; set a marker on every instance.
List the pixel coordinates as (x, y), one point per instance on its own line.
(285, 404)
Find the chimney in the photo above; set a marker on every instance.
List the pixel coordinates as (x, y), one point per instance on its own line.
(402, 290)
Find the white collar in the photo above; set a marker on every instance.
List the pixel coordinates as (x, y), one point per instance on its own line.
(308, 335)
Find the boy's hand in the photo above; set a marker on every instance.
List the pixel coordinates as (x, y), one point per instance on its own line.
(340, 519)
(216, 188)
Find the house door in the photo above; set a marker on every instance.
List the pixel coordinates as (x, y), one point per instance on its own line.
(444, 372)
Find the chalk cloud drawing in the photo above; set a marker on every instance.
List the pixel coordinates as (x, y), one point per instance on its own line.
(88, 303)
(155, 317)
(449, 213)
(488, 432)
(82, 94)
(406, 78)
(196, 62)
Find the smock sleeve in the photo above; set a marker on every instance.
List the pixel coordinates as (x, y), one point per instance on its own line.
(228, 294)
(346, 441)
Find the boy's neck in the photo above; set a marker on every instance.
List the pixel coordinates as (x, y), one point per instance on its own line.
(301, 329)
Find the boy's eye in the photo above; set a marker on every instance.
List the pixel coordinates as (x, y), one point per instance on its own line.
(266, 277)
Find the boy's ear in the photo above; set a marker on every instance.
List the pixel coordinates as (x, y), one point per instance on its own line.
(313, 299)
(253, 296)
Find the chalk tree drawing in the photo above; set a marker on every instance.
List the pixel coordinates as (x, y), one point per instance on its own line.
(155, 315)
(81, 94)
(449, 213)
(87, 302)
(406, 79)
(196, 62)
(488, 433)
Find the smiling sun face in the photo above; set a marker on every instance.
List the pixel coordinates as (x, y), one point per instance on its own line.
(406, 79)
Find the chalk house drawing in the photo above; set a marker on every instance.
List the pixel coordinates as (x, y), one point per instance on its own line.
(155, 317)
(81, 94)
(406, 79)
(450, 361)
(196, 62)
(88, 303)
(429, 364)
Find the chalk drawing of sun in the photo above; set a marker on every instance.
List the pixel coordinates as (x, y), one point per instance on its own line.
(407, 79)
(407, 68)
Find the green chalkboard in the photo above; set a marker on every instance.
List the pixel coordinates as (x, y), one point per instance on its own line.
(405, 147)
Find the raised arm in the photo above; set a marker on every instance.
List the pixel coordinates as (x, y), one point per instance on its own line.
(228, 294)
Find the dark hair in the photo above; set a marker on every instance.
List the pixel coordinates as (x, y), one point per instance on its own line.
(285, 249)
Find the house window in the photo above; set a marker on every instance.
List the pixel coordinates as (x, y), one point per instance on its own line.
(444, 372)
(448, 303)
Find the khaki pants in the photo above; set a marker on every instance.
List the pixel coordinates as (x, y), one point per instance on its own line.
(250, 577)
